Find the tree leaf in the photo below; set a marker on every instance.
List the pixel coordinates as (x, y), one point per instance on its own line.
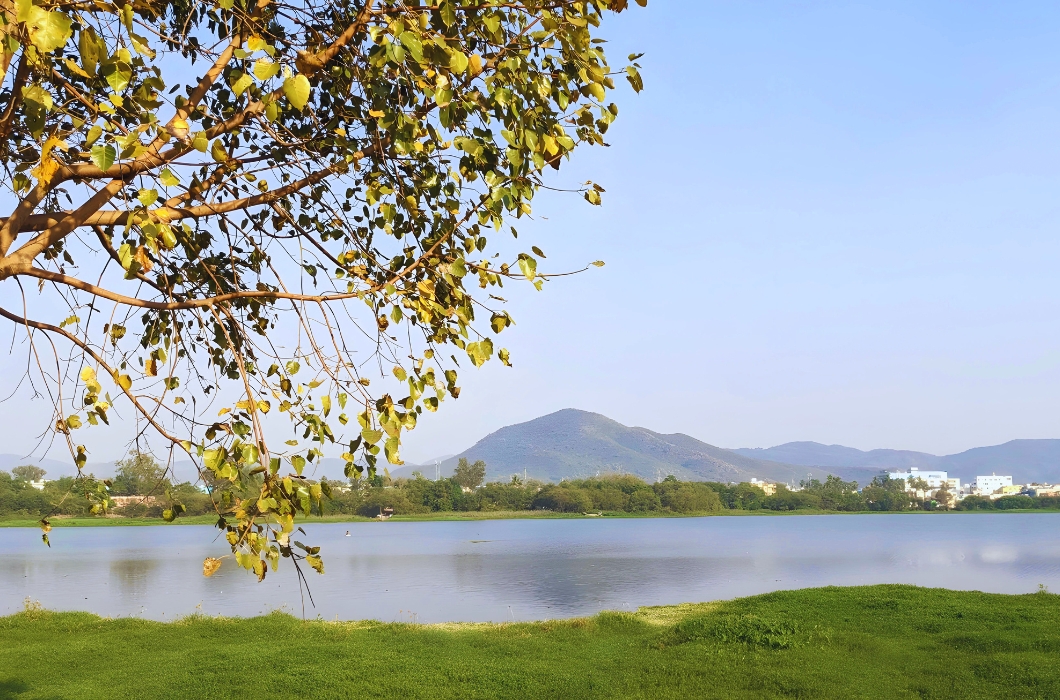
(103, 156)
(147, 197)
(371, 436)
(240, 86)
(297, 88)
(412, 42)
(48, 31)
(265, 68)
(448, 12)
(167, 178)
(457, 61)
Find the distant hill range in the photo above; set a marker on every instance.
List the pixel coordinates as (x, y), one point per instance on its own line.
(573, 444)
(1027, 461)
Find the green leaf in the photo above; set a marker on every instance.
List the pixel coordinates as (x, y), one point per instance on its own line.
(117, 75)
(88, 47)
(73, 422)
(213, 459)
(217, 150)
(265, 68)
(298, 462)
(458, 61)
(103, 156)
(168, 179)
(529, 266)
(325, 402)
(199, 141)
(240, 86)
(48, 31)
(93, 135)
(390, 450)
(448, 12)
(296, 88)
(371, 436)
(168, 515)
(147, 197)
(412, 42)
(480, 352)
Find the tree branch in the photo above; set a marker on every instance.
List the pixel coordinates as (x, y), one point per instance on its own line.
(207, 302)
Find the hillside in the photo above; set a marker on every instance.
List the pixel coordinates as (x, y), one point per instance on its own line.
(572, 443)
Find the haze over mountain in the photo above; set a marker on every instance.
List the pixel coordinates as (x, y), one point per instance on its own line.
(572, 443)
(1026, 460)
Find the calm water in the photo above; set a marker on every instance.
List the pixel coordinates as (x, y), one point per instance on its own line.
(527, 569)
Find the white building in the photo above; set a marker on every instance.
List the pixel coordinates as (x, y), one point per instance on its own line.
(39, 484)
(986, 485)
(934, 479)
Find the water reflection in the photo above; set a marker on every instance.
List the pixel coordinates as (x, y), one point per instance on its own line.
(528, 569)
(133, 576)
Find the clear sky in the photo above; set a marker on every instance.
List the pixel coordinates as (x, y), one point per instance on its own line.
(827, 221)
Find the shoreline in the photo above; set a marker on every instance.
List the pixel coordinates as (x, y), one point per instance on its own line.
(470, 516)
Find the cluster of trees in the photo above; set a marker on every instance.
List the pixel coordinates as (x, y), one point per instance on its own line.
(137, 475)
(141, 475)
(464, 491)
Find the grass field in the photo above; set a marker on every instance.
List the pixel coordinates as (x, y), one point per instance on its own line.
(863, 642)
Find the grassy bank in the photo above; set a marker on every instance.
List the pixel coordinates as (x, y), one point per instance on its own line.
(118, 521)
(863, 642)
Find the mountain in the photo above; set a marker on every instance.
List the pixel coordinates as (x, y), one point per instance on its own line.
(1026, 460)
(814, 454)
(572, 443)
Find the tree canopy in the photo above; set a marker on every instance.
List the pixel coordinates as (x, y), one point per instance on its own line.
(253, 213)
(28, 472)
(469, 475)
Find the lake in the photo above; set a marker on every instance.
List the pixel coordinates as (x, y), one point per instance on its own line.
(499, 570)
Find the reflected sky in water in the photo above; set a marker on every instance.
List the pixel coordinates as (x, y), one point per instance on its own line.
(527, 569)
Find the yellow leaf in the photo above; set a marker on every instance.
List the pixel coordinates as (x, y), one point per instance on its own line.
(210, 565)
(124, 381)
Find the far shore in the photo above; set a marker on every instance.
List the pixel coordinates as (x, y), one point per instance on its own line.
(121, 521)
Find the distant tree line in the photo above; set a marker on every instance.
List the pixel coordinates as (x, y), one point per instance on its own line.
(141, 475)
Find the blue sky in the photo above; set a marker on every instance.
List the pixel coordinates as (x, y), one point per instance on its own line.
(824, 221)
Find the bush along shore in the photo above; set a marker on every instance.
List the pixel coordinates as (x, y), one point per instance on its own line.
(861, 642)
(140, 489)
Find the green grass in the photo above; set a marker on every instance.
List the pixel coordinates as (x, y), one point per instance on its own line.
(864, 642)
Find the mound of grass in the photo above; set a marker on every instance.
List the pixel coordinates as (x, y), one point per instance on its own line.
(862, 642)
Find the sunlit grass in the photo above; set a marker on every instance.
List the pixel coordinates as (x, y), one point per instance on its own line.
(863, 642)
